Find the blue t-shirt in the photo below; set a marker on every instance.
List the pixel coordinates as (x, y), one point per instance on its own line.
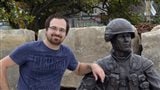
(40, 67)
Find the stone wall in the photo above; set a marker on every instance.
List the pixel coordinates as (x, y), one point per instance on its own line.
(151, 46)
(9, 40)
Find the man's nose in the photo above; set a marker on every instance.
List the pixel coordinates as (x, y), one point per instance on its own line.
(57, 32)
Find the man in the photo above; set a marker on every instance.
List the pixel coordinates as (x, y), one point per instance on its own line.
(124, 70)
(43, 63)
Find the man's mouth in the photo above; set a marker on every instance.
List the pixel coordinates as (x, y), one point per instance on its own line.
(56, 36)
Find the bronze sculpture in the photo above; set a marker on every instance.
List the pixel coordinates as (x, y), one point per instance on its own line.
(124, 70)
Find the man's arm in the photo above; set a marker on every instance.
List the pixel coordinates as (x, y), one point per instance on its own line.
(84, 68)
(4, 64)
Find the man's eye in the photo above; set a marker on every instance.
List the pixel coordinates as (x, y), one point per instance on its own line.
(62, 30)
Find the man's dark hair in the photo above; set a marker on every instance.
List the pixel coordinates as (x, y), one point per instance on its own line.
(58, 16)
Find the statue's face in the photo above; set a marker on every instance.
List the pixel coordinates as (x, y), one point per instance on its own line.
(122, 42)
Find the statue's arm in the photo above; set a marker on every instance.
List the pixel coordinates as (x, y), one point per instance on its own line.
(153, 77)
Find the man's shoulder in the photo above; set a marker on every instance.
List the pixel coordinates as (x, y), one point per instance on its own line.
(32, 43)
(30, 46)
(65, 48)
(35, 42)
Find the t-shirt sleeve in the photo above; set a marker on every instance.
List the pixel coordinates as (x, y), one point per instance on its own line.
(72, 61)
(19, 54)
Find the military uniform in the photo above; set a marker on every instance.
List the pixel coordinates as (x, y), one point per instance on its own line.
(139, 74)
(124, 70)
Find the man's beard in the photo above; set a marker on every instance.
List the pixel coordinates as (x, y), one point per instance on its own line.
(54, 41)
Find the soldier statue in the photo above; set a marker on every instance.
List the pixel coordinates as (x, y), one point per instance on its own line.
(124, 70)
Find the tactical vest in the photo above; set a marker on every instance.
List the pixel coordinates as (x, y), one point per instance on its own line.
(134, 80)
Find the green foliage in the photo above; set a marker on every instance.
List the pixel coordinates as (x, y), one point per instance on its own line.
(11, 11)
(32, 14)
(4, 16)
(41, 9)
(156, 19)
(124, 9)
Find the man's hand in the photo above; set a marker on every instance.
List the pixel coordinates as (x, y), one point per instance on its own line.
(98, 72)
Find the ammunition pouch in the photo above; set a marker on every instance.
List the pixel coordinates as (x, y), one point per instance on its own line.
(114, 81)
(133, 82)
(144, 85)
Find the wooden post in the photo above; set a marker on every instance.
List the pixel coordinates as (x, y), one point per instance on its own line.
(148, 10)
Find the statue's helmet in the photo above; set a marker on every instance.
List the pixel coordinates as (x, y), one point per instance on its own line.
(117, 26)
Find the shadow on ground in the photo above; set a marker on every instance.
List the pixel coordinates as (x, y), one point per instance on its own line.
(68, 88)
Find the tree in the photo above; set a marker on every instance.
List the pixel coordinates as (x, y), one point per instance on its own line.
(133, 10)
(123, 9)
(41, 9)
(13, 12)
(31, 14)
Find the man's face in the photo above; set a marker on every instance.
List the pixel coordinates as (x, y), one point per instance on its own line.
(122, 42)
(56, 32)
